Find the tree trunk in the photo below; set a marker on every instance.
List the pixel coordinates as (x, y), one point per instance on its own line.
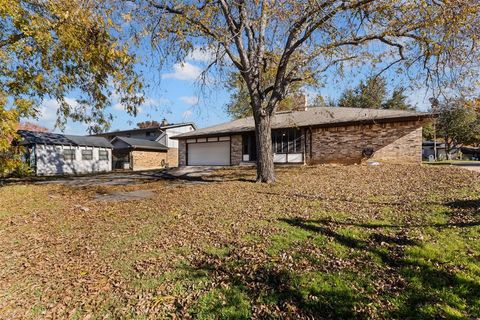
(263, 134)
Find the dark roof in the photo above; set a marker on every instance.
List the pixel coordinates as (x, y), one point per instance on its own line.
(33, 137)
(158, 128)
(316, 116)
(470, 150)
(142, 144)
(431, 144)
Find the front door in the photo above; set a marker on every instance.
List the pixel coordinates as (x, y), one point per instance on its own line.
(249, 147)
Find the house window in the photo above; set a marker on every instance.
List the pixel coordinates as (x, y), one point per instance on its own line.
(69, 154)
(148, 133)
(287, 141)
(87, 154)
(102, 155)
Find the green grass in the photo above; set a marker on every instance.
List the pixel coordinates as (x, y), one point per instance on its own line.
(398, 245)
(226, 303)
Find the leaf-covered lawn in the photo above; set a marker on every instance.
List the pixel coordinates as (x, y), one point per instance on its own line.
(323, 242)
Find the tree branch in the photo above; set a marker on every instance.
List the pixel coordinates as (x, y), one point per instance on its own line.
(12, 39)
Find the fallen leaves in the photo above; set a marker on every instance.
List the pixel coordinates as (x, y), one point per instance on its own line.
(158, 256)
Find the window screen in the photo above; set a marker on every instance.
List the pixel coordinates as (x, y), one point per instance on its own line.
(87, 154)
(103, 155)
(69, 154)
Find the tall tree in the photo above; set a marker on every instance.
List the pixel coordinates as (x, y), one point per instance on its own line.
(52, 49)
(148, 124)
(369, 94)
(29, 126)
(458, 123)
(373, 94)
(398, 101)
(239, 104)
(432, 38)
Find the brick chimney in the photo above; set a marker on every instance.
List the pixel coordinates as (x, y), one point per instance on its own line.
(299, 102)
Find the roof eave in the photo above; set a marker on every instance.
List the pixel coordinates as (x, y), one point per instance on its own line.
(416, 117)
(137, 148)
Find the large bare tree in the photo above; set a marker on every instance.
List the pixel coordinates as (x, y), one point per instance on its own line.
(432, 39)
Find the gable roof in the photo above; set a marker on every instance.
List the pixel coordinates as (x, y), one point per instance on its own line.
(142, 144)
(312, 117)
(33, 137)
(139, 130)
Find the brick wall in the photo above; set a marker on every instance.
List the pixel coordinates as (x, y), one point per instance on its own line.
(182, 153)
(235, 150)
(172, 157)
(143, 160)
(391, 142)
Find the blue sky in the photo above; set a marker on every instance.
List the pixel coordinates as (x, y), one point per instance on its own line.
(174, 93)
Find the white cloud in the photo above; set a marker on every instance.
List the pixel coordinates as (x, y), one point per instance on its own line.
(187, 114)
(191, 100)
(183, 71)
(118, 106)
(310, 95)
(149, 103)
(419, 99)
(200, 54)
(47, 115)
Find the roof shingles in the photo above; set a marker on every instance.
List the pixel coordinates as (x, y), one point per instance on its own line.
(33, 137)
(142, 144)
(316, 116)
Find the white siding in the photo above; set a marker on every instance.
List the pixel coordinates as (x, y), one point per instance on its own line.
(171, 143)
(49, 161)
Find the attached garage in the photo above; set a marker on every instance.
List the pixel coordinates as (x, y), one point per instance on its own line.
(208, 152)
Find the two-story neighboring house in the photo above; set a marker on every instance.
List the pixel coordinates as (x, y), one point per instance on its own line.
(147, 148)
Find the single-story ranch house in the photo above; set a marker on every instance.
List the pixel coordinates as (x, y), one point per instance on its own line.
(311, 136)
(57, 154)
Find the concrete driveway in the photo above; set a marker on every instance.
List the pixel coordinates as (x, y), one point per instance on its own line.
(472, 166)
(189, 175)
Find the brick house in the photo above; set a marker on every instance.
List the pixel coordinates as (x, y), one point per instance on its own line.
(312, 136)
(138, 154)
(146, 148)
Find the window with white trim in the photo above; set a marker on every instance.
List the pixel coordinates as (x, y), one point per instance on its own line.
(68, 154)
(87, 154)
(103, 155)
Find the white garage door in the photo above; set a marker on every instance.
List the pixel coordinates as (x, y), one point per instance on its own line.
(209, 154)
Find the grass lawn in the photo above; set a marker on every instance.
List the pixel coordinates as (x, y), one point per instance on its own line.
(323, 242)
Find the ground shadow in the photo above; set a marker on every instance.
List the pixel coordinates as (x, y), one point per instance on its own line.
(468, 204)
(401, 226)
(430, 274)
(273, 291)
(181, 175)
(415, 283)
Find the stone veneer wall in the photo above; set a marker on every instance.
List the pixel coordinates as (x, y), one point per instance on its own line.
(172, 157)
(182, 152)
(143, 160)
(236, 150)
(399, 142)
